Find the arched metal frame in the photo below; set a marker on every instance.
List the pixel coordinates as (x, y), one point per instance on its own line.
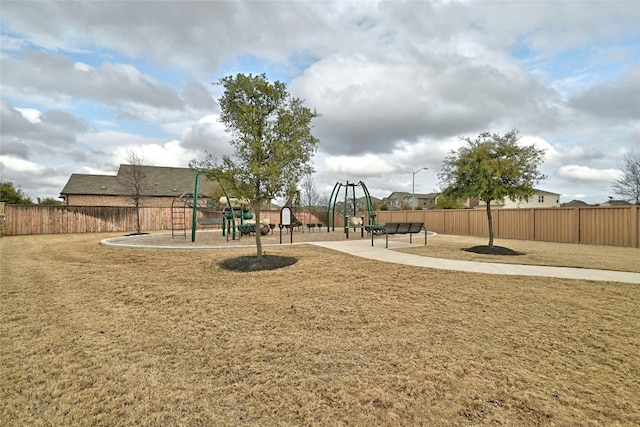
(349, 186)
(228, 224)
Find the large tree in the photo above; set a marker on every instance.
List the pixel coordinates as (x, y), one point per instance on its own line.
(492, 167)
(271, 135)
(628, 186)
(13, 195)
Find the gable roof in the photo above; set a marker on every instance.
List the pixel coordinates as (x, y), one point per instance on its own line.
(538, 191)
(574, 203)
(158, 181)
(614, 202)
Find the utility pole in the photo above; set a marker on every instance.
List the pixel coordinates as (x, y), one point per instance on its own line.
(413, 188)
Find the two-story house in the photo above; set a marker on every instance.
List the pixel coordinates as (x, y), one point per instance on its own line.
(540, 199)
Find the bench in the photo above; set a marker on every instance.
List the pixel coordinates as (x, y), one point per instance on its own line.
(209, 221)
(409, 228)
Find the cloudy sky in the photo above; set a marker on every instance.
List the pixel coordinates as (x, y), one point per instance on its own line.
(397, 84)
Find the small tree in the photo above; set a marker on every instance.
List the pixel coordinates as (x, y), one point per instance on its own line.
(13, 195)
(628, 186)
(447, 202)
(492, 167)
(50, 201)
(310, 196)
(271, 134)
(134, 178)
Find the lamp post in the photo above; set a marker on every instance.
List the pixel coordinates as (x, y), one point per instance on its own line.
(413, 188)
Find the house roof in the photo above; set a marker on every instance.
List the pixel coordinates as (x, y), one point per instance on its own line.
(157, 181)
(574, 203)
(538, 191)
(613, 202)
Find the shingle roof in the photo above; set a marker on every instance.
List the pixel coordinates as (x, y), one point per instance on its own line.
(574, 203)
(158, 181)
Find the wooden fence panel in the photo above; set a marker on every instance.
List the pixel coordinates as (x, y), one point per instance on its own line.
(456, 221)
(434, 220)
(606, 226)
(478, 225)
(554, 225)
(512, 223)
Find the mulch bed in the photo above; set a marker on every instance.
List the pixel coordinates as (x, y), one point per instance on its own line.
(492, 250)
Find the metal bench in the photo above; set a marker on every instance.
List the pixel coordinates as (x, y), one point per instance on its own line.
(209, 221)
(409, 228)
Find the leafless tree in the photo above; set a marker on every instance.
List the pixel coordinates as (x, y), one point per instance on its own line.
(134, 177)
(310, 195)
(628, 186)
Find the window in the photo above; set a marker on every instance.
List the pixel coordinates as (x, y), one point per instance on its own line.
(540, 198)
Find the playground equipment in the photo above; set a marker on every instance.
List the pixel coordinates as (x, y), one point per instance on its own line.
(234, 215)
(350, 208)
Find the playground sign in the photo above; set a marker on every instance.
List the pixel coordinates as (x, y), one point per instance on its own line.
(285, 221)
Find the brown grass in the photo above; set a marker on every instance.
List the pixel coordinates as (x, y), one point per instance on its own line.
(535, 253)
(99, 337)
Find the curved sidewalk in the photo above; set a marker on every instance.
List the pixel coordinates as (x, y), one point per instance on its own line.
(363, 248)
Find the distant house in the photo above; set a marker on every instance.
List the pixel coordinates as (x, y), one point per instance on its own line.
(540, 199)
(398, 199)
(361, 204)
(574, 204)
(613, 202)
(159, 186)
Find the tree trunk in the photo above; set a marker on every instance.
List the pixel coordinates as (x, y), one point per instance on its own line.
(138, 228)
(258, 241)
(490, 221)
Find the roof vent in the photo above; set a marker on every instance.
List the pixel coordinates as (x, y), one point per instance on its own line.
(103, 188)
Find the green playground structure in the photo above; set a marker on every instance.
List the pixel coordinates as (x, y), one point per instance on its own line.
(350, 210)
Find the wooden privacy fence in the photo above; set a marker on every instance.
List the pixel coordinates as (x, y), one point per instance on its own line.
(596, 225)
(44, 219)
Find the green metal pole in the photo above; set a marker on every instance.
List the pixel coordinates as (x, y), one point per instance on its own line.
(331, 214)
(195, 205)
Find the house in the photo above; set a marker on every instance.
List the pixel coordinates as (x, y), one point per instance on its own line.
(574, 204)
(613, 202)
(361, 204)
(400, 199)
(397, 200)
(158, 186)
(540, 199)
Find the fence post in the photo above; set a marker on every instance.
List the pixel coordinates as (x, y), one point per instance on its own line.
(576, 225)
(635, 227)
(532, 224)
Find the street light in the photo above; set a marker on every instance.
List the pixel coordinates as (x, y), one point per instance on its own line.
(413, 188)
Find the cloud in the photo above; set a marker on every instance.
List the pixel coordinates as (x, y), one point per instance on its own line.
(48, 131)
(208, 134)
(617, 99)
(369, 105)
(588, 174)
(12, 165)
(367, 165)
(170, 153)
(35, 75)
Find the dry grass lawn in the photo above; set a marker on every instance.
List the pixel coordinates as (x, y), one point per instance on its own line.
(93, 336)
(535, 253)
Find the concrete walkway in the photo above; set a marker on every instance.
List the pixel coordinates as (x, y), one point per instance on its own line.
(363, 248)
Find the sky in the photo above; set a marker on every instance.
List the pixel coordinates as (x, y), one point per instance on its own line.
(397, 84)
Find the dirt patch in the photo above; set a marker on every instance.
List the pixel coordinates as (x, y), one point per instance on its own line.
(493, 250)
(253, 263)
